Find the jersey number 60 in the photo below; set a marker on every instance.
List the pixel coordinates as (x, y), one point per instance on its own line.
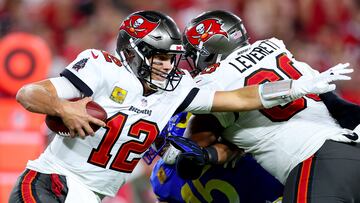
(280, 113)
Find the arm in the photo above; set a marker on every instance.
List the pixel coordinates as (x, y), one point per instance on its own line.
(205, 130)
(280, 92)
(41, 97)
(201, 147)
(346, 113)
(244, 99)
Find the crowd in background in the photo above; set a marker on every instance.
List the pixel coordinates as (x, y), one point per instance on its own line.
(319, 32)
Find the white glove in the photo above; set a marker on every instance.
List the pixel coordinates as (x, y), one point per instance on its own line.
(321, 83)
(351, 136)
(170, 155)
(357, 130)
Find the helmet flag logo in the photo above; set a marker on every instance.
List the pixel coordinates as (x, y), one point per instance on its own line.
(137, 26)
(204, 30)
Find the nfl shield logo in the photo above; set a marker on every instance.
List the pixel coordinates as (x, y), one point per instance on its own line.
(143, 102)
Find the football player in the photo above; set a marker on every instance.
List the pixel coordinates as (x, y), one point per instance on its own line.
(245, 182)
(299, 143)
(139, 91)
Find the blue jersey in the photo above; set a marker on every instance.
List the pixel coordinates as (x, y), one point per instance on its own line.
(248, 182)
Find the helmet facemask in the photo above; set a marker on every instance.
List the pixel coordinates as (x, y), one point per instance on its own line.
(141, 62)
(144, 36)
(157, 148)
(199, 58)
(161, 146)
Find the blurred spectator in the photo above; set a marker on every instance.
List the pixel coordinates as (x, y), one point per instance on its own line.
(320, 32)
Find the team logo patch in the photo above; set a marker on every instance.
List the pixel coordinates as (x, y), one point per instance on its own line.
(161, 175)
(204, 30)
(210, 68)
(118, 95)
(80, 64)
(137, 26)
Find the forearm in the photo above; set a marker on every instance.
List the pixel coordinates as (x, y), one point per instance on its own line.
(40, 97)
(243, 99)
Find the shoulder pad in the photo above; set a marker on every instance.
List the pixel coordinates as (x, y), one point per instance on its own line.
(100, 56)
(277, 41)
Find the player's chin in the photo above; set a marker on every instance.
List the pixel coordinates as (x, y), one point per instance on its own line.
(158, 78)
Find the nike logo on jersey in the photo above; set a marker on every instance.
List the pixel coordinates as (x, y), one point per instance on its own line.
(94, 55)
(352, 136)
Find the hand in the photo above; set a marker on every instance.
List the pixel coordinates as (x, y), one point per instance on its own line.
(349, 137)
(320, 83)
(76, 119)
(237, 155)
(192, 159)
(357, 130)
(188, 166)
(189, 148)
(170, 155)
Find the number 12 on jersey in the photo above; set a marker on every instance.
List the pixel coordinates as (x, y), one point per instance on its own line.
(101, 155)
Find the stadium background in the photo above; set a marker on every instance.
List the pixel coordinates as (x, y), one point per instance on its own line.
(38, 38)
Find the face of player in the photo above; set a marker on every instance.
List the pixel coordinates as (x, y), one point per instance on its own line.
(161, 66)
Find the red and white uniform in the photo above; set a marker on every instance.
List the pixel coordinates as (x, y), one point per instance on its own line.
(280, 137)
(102, 163)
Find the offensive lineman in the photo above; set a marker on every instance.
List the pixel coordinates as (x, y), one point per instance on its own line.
(294, 141)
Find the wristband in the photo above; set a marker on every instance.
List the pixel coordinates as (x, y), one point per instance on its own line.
(275, 93)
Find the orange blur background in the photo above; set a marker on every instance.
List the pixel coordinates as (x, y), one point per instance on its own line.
(38, 38)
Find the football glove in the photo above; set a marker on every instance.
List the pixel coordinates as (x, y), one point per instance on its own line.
(320, 83)
(192, 159)
(350, 137)
(282, 92)
(171, 155)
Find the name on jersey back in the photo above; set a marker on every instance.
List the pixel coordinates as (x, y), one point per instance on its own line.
(258, 53)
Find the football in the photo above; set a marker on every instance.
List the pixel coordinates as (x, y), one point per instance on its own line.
(55, 123)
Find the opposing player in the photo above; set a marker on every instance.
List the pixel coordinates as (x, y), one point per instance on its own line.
(294, 142)
(140, 92)
(245, 182)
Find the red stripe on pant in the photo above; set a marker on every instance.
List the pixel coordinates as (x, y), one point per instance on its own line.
(26, 191)
(56, 184)
(302, 193)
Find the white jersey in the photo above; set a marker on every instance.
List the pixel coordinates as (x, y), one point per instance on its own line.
(103, 162)
(280, 137)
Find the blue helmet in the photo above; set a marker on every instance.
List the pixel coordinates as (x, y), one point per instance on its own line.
(175, 127)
